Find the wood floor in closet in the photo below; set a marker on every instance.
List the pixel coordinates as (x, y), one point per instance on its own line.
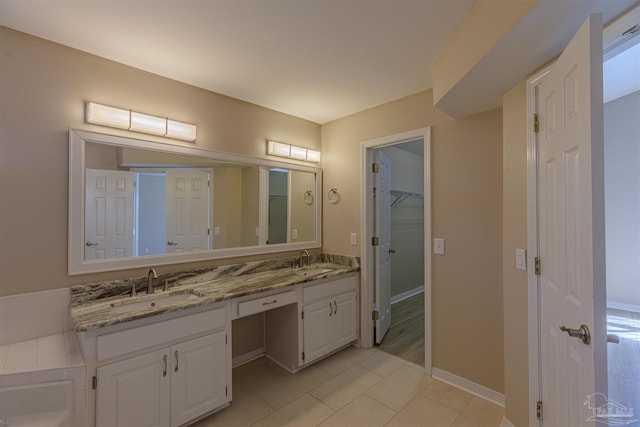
(405, 338)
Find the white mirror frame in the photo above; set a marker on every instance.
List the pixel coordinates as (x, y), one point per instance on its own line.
(78, 265)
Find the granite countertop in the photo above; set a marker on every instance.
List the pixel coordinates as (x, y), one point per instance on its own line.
(99, 305)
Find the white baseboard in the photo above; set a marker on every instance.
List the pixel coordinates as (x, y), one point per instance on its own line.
(247, 357)
(506, 423)
(469, 386)
(408, 294)
(623, 306)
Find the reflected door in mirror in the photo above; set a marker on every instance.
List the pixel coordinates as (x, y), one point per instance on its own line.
(110, 212)
(187, 211)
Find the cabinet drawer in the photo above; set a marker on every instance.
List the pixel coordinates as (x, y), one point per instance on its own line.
(327, 289)
(141, 337)
(247, 308)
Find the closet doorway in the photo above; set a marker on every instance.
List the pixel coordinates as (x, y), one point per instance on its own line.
(396, 256)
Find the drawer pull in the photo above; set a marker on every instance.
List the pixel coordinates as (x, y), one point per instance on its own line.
(175, 353)
(269, 303)
(164, 374)
(330, 308)
(336, 306)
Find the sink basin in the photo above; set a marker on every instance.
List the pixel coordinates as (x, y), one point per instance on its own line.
(313, 271)
(160, 301)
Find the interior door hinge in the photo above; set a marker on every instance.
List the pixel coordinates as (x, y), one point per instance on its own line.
(302, 315)
(226, 339)
(375, 315)
(303, 355)
(226, 390)
(375, 241)
(94, 382)
(537, 266)
(539, 410)
(375, 168)
(536, 123)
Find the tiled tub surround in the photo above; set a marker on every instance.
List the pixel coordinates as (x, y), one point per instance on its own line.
(39, 357)
(93, 305)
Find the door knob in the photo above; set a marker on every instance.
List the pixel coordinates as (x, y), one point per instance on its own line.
(91, 244)
(582, 333)
(613, 338)
(171, 243)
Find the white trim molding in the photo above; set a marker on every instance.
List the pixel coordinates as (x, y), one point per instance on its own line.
(506, 423)
(623, 306)
(469, 386)
(366, 221)
(532, 244)
(407, 294)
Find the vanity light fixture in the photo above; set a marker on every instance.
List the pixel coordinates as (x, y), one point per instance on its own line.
(126, 119)
(280, 149)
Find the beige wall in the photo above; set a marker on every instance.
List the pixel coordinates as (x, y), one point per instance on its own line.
(467, 212)
(514, 233)
(43, 87)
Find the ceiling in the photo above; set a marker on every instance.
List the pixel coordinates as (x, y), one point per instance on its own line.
(315, 59)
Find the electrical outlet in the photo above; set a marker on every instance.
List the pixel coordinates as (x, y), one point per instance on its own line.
(354, 238)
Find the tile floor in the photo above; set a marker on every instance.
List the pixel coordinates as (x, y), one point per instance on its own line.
(354, 387)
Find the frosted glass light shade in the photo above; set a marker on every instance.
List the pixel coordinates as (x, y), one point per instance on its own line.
(313, 156)
(139, 122)
(292, 151)
(298, 153)
(107, 116)
(148, 124)
(278, 149)
(181, 130)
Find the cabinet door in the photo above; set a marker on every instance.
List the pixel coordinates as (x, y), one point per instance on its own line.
(318, 336)
(344, 319)
(199, 380)
(134, 392)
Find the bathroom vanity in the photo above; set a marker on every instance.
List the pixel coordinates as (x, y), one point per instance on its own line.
(165, 359)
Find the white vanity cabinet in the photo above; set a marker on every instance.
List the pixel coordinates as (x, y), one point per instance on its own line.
(135, 391)
(169, 386)
(329, 317)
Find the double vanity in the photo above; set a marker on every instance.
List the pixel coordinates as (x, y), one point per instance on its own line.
(165, 358)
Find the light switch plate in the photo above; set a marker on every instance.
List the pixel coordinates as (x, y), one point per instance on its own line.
(216, 231)
(521, 259)
(438, 246)
(295, 234)
(354, 239)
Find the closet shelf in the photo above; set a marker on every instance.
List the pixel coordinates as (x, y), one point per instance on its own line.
(401, 196)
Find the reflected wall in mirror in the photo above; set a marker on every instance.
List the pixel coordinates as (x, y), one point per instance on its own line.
(139, 203)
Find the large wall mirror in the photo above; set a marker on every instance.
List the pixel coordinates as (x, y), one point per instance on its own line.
(136, 203)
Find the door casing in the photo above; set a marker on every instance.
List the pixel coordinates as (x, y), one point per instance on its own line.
(366, 227)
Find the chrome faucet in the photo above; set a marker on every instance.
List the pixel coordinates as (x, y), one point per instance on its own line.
(302, 254)
(152, 275)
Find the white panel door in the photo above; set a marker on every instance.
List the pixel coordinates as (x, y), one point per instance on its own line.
(109, 214)
(187, 211)
(134, 392)
(381, 252)
(571, 206)
(198, 383)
